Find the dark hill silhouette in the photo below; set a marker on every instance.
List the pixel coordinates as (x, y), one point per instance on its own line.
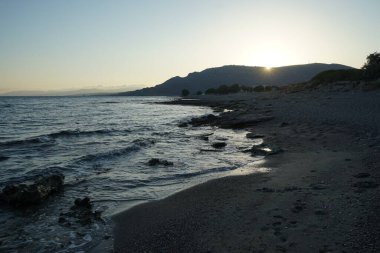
(243, 75)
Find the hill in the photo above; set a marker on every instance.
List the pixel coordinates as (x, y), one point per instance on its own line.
(243, 75)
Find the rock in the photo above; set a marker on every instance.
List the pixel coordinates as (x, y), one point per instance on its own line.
(156, 161)
(362, 175)
(183, 124)
(254, 136)
(209, 119)
(366, 184)
(284, 124)
(83, 203)
(80, 212)
(34, 193)
(320, 212)
(204, 137)
(219, 144)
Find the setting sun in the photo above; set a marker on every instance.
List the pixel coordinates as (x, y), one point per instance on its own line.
(271, 57)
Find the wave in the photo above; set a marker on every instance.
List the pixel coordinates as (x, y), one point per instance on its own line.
(109, 154)
(50, 138)
(194, 174)
(136, 146)
(33, 140)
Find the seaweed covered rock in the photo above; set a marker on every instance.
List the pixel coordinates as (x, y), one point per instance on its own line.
(34, 192)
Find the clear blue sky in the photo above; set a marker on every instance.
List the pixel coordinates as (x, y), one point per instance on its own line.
(49, 45)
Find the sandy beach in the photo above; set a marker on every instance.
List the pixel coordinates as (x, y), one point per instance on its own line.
(320, 194)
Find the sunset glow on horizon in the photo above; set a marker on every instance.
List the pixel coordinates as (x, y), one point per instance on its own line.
(50, 45)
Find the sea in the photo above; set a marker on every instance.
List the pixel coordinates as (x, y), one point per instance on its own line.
(102, 145)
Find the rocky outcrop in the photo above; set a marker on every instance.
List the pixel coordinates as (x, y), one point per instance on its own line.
(234, 120)
(33, 193)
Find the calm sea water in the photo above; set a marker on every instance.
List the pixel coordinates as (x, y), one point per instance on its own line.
(102, 146)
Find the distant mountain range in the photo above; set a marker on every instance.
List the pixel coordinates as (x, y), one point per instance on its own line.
(78, 92)
(243, 75)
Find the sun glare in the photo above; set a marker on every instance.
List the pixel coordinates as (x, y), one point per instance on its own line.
(270, 58)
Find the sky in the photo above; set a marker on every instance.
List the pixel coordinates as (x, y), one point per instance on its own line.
(76, 44)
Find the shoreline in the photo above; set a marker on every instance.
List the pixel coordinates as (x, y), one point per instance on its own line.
(321, 196)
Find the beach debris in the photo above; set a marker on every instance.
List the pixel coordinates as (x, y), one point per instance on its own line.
(34, 192)
(219, 144)
(81, 212)
(156, 161)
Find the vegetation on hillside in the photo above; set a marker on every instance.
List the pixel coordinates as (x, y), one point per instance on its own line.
(235, 88)
(330, 76)
(185, 93)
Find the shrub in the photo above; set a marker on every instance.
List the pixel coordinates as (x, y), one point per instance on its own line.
(259, 88)
(185, 93)
(372, 66)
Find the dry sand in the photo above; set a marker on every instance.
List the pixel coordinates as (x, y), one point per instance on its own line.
(321, 194)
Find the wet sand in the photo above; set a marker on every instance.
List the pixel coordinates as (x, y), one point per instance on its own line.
(320, 195)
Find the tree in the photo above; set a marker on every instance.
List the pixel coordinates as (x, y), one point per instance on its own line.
(199, 93)
(210, 91)
(185, 93)
(372, 66)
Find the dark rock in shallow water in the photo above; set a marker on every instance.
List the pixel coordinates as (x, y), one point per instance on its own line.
(254, 136)
(85, 202)
(219, 144)
(156, 161)
(183, 124)
(80, 212)
(209, 119)
(3, 158)
(34, 193)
